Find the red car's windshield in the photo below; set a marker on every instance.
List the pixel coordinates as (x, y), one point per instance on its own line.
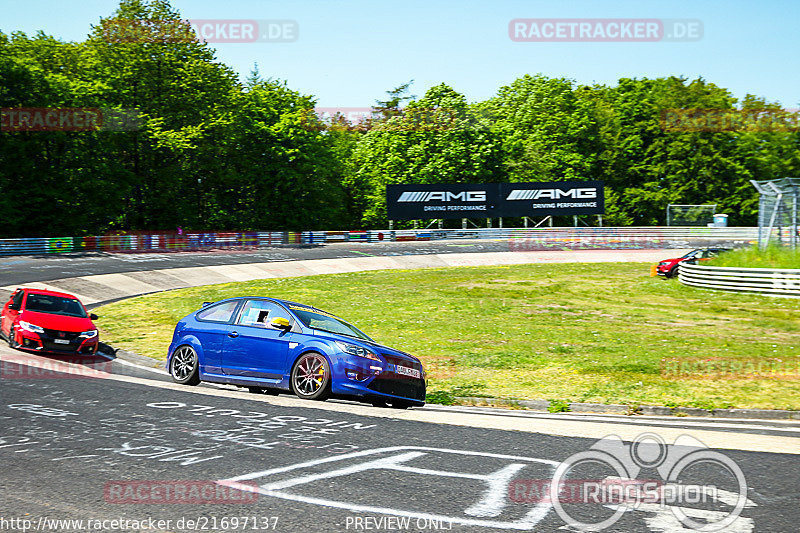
(55, 305)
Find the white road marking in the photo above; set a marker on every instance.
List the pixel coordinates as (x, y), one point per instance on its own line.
(75, 457)
(490, 505)
(496, 495)
(661, 518)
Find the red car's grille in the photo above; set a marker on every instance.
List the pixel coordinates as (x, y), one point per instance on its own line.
(66, 335)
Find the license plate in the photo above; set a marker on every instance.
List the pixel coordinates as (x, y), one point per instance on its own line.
(61, 341)
(405, 371)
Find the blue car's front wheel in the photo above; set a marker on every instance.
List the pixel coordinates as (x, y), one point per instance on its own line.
(311, 377)
(184, 366)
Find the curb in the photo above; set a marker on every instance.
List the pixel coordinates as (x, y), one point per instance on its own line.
(131, 357)
(543, 405)
(633, 410)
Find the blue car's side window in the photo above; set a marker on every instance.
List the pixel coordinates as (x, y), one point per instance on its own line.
(221, 312)
(259, 313)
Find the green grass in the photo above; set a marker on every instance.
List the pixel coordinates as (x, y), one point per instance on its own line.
(575, 332)
(772, 257)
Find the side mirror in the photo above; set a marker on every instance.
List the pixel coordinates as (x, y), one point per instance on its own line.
(280, 323)
(93, 316)
(206, 304)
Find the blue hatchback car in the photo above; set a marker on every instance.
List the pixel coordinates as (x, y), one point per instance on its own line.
(271, 345)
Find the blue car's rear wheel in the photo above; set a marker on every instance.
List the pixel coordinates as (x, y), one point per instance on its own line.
(184, 366)
(311, 377)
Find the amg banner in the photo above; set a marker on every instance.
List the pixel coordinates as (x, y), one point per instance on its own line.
(491, 200)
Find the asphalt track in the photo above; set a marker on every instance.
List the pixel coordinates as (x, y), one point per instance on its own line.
(24, 269)
(99, 440)
(100, 278)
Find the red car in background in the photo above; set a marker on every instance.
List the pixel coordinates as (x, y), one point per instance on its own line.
(669, 267)
(48, 321)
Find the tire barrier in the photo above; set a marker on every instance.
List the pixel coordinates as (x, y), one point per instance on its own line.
(519, 239)
(766, 281)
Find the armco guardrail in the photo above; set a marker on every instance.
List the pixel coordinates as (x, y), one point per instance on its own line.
(767, 281)
(519, 239)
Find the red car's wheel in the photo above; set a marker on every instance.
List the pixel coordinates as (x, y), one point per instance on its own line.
(672, 272)
(12, 342)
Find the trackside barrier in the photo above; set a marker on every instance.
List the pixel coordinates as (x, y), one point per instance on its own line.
(519, 239)
(767, 281)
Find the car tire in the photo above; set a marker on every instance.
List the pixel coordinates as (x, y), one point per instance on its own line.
(672, 272)
(12, 343)
(395, 404)
(311, 377)
(184, 367)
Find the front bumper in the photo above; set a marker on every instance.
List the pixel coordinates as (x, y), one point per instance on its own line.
(44, 342)
(365, 380)
(664, 270)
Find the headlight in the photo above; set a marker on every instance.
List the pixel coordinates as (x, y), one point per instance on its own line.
(27, 326)
(352, 349)
(92, 333)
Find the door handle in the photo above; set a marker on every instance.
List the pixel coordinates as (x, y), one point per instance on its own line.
(233, 334)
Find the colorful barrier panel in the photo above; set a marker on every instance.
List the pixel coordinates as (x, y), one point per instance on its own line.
(519, 239)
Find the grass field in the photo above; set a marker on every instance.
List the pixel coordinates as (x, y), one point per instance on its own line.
(772, 257)
(567, 332)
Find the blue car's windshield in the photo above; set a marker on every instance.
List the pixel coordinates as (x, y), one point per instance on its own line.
(324, 322)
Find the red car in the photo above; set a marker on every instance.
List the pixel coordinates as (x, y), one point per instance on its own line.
(669, 267)
(48, 321)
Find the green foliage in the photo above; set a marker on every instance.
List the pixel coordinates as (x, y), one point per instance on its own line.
(215, 153)
(449, 393)
(437, 139)
(558, 406)
(210, 152)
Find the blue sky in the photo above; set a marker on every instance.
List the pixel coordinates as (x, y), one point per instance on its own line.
(350, 52)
